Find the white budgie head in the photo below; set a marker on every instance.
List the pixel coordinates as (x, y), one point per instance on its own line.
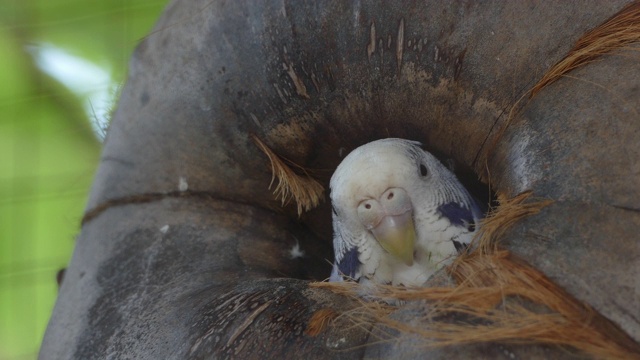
(384, 194)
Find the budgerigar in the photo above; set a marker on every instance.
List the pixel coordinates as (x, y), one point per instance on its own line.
(398, 214)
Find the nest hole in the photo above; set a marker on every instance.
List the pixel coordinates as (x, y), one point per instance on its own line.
(314, 233)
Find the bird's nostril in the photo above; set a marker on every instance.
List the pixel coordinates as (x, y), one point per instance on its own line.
(390, 196)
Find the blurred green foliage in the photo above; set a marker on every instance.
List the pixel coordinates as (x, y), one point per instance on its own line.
(48, 148)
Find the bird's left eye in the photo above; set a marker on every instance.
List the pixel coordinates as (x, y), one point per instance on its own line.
(423, 170)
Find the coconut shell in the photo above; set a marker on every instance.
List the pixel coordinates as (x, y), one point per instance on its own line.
(186, 252)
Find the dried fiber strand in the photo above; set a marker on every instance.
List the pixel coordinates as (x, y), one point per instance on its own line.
(509, 212)
(306, 191)
(617, 32)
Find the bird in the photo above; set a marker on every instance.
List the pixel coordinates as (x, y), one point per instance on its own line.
(399, 214)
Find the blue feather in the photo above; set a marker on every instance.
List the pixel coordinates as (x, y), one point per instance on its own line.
(349, 263)
(458, 215)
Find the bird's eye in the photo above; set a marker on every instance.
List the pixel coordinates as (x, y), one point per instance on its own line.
(423, 170)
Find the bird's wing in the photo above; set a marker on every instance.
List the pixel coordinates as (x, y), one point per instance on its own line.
(462, 217)
(349, 264)
(346, 254)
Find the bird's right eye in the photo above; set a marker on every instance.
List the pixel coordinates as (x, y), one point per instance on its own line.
(423, 170)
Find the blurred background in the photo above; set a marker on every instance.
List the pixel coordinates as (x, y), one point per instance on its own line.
(62, 63)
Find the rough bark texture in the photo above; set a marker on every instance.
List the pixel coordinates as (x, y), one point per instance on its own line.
(206, 272)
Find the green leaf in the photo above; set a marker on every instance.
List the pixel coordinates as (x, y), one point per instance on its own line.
(48, 149)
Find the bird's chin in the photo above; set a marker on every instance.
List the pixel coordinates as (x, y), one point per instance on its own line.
(397, 235)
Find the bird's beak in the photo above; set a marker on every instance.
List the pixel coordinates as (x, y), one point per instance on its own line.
(397, 235)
